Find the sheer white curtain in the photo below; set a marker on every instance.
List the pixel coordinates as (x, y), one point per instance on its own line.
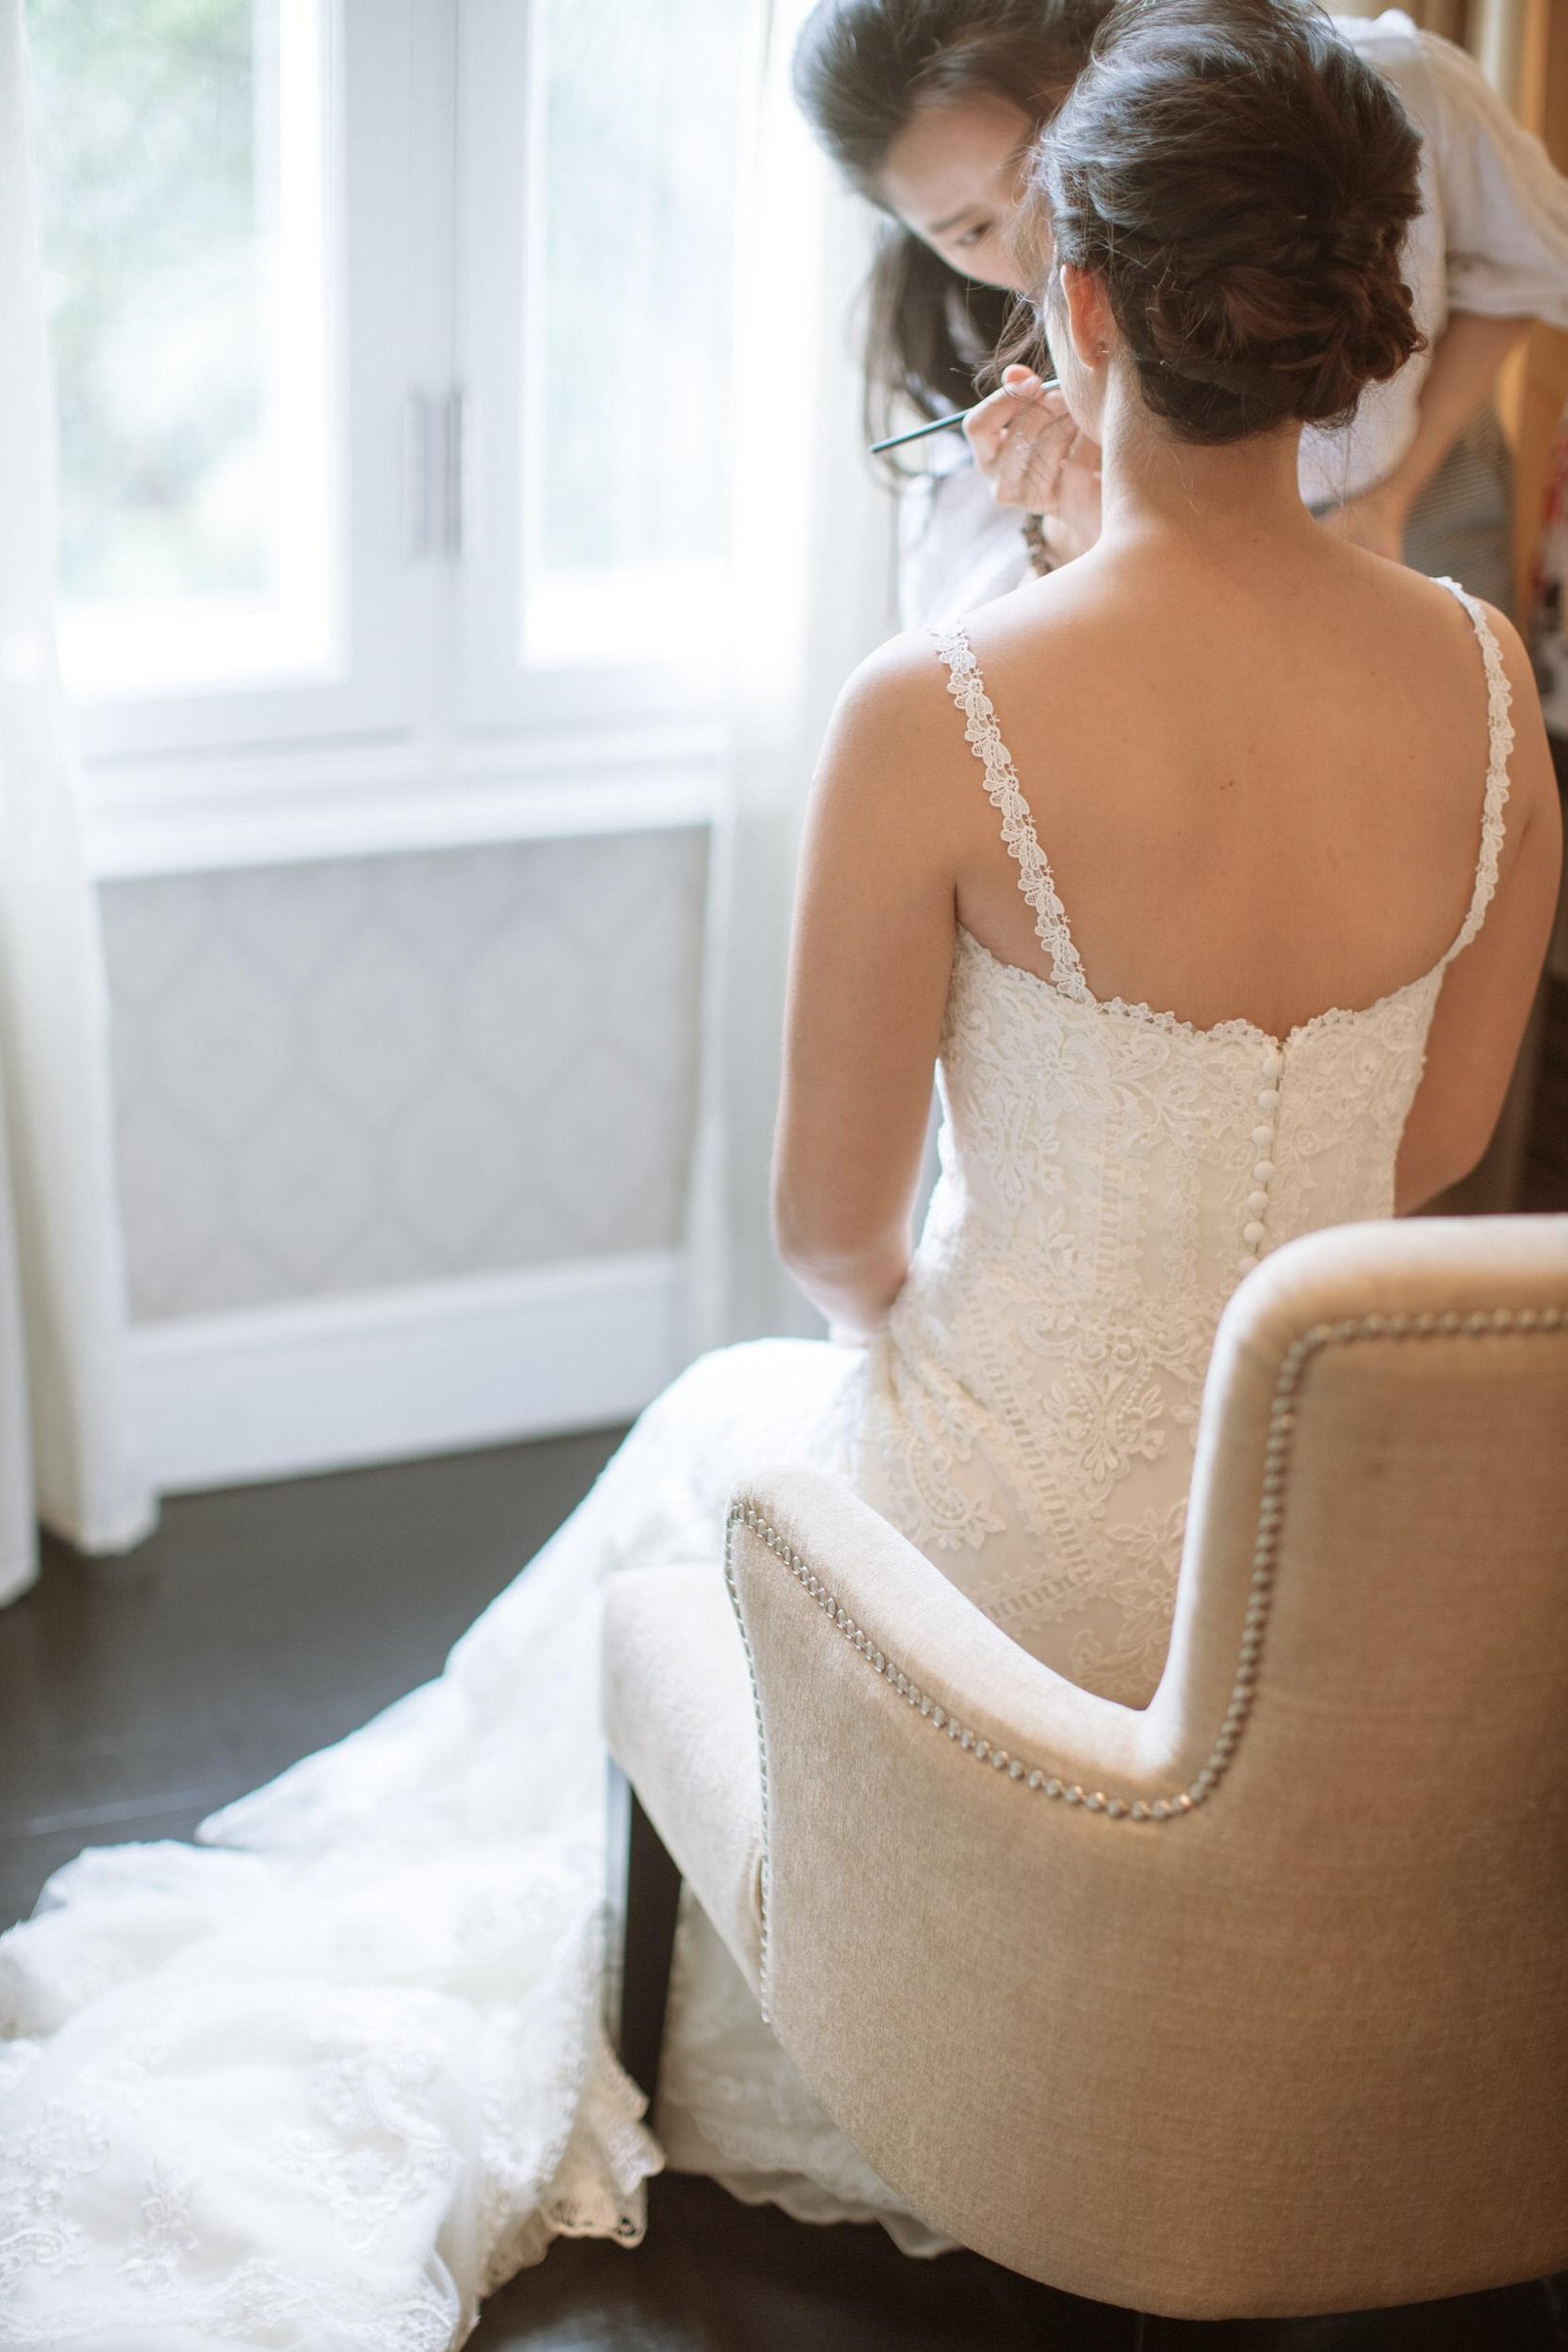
(1496, 32)
(814, 593)
(67, 1455)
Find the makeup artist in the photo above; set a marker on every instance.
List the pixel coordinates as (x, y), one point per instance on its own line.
(929, 108)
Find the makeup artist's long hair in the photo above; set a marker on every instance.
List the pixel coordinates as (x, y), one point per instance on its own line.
(861, 70)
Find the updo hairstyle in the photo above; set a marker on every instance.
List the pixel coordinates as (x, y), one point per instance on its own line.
(1242, 184)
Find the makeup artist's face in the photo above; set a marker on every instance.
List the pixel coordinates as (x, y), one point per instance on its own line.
(954, 177)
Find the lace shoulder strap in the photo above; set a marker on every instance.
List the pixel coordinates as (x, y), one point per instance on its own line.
(1499, 742)
(967, 689)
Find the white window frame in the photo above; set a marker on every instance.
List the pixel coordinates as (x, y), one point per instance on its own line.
(368, 688)
(498, 247)
(433, 734)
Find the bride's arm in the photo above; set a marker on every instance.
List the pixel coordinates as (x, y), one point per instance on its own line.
(1491, 984)
(870, 961)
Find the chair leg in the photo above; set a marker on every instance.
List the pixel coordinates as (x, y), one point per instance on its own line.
(652, 1895)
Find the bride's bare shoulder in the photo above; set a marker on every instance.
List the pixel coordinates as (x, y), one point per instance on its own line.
(1067, 607)
(896, 741)
(912, 675)
(893, 712)
(903, 674)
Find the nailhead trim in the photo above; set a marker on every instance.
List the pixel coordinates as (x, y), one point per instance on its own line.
(1177, 1803)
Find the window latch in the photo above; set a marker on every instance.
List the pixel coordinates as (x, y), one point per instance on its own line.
(434, 452)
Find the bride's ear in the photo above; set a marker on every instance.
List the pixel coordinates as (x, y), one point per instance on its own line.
(1090, 320)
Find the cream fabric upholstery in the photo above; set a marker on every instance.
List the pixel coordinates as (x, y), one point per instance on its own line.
(682, 1726)
(1300, 2044)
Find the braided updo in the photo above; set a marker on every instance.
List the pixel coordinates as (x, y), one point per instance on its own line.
(1242, 184)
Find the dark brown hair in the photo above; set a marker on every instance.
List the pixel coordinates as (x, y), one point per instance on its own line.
(863, 68)
(1241, 183)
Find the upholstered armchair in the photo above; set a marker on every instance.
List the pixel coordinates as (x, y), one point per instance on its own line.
(1255, 2003)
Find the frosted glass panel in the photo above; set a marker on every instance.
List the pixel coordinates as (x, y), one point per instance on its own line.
(627, 324)
(184, 172)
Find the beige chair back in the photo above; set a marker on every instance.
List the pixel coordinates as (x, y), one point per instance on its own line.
(1257, 2001)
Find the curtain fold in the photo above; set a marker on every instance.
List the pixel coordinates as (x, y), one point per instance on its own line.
(1495, 32)
(814, 553)
(66, 1450)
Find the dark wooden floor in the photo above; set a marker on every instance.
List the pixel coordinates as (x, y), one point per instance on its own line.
(256, 1625)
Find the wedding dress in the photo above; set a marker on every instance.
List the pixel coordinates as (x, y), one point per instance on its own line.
(320, 2083)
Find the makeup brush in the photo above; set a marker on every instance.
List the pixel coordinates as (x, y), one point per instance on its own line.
(942, 424)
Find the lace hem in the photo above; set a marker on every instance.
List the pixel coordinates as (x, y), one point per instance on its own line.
(1238, 1030)
(599, 2188)
(984, 736)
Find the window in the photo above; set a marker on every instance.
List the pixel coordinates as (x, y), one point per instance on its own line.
(599, 156)
(626, 399)
(391, 342)
(188, 228)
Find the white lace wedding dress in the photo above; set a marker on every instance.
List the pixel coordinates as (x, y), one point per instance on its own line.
(321, 2081)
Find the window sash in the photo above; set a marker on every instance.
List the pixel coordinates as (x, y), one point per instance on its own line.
(427, 267)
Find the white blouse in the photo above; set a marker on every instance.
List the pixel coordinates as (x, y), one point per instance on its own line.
(1491, 239)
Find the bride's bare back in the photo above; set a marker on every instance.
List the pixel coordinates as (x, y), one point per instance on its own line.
(1259, 788)
(1273, 805)
(1261, 794)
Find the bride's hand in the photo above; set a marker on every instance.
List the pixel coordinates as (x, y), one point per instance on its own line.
(1034, 457)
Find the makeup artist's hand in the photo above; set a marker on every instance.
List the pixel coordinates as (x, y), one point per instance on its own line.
(1035, 459)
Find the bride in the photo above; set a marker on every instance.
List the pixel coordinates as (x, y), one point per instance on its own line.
(322, 2082)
